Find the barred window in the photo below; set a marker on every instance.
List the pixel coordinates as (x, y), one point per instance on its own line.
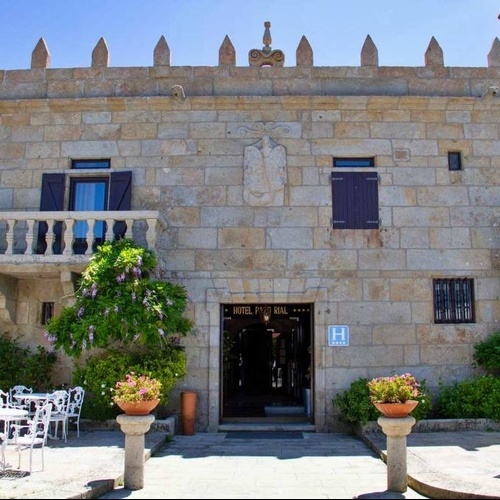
(454, 300)
(47, 311)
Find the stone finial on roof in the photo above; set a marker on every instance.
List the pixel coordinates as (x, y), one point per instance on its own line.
(434, 54)
(304, 53)
(227, 54)
(494, 54)
(100, 54)
(161, 54)
(40, 57)
(369, 53)
(266, 56)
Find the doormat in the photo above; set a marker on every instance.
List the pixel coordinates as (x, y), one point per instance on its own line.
(264, 435)
(13, 474)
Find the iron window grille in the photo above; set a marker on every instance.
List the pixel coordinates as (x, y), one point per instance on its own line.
(454, 300)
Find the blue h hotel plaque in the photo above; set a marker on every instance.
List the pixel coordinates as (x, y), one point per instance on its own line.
(338, 335)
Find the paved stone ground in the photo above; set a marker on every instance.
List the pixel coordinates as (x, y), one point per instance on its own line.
(444, 464)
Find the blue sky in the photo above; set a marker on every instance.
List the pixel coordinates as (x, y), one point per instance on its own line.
(195, 29)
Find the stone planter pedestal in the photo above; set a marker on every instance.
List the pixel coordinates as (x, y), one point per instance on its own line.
(396, 430)
(134, 428)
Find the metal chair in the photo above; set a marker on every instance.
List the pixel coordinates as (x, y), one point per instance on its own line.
(4, 403)
(59, 400)
(76, 395)
(33, 434)
(16, 400)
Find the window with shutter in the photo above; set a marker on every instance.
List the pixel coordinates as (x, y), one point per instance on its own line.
(355, 200)
(92, 192)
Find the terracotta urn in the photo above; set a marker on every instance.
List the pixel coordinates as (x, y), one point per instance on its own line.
(138, 407)
(396, 410)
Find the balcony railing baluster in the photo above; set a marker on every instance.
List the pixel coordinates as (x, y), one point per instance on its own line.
(20, 231)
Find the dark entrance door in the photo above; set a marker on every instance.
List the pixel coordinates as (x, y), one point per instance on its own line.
(266, 353)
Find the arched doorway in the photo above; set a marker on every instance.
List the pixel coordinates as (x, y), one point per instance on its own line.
(266, 362)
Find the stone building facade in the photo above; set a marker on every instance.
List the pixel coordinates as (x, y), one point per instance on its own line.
(233, 181)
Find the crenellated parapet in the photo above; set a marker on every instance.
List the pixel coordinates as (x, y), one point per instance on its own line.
(227, 79)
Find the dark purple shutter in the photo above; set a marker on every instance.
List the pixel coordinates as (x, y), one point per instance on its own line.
(120, 198)
(355, 200)
(367, 200)
(120, 190)
(51, 200)
(342, 191)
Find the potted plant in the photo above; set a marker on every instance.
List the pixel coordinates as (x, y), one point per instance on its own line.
(395, 395)
(137, 394)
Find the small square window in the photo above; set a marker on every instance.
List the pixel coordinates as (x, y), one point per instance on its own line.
(454, 160)
(47, 311)
(454, 300)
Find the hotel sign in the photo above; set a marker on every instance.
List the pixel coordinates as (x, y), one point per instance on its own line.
(256, 310)
(338, 335)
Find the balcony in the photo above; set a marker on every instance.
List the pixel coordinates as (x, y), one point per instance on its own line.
(43, 244)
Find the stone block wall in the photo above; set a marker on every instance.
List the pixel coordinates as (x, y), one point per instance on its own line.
(187, 155)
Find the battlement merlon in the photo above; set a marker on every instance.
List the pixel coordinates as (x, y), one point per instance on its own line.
(227, 79)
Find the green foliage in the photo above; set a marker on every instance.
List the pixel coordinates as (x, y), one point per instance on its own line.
(117, 300)
(471, 398)
(355, 405)
(20, 365)
(487, 353)
(101, 373)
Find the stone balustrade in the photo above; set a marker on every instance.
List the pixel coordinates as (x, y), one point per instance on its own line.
(36, 233)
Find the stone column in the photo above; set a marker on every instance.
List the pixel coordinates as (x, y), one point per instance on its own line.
(134, 428)
(396, 430)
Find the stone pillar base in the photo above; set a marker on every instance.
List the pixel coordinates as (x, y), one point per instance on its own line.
(134, 428)
(396, 430)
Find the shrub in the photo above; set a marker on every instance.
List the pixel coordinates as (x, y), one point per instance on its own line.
(471, 398)
(355, 405)
(98, 376)
(20, 365)
(487, 353)
(118, 301)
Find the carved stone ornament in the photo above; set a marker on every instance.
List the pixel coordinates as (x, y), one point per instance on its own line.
(266, 56)
(265, 174)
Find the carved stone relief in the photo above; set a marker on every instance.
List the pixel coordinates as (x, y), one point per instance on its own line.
(265, 173)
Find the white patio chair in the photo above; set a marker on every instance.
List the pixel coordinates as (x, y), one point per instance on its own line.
(16, 400)
(59, 400)
(3, 444)
(76, 395)
(33, 434)
(4, 399)
(4, 403)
